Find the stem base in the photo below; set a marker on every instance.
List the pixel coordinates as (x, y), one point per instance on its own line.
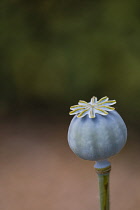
(103, 169)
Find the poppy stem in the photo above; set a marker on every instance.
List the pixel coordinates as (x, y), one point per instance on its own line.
(103, 170)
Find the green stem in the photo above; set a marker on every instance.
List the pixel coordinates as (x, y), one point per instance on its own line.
(104, 191)
(103, 169)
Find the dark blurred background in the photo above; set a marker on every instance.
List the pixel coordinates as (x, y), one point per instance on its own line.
(54, 53)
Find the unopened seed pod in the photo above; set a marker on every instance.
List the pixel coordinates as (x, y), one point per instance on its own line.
(97, 131)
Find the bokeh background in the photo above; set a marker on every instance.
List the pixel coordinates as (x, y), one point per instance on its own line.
(54, 53)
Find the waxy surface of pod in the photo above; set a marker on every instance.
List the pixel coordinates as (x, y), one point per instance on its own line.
(97, 138)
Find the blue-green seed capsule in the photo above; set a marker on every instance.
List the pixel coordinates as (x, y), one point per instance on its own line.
(98, 137)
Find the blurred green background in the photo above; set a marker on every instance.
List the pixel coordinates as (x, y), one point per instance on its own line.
(54, 53)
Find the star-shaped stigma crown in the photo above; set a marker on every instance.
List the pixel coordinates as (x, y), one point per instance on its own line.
(93, 107)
